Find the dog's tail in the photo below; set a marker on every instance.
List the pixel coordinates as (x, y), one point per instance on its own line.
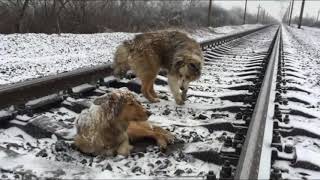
(120, 62)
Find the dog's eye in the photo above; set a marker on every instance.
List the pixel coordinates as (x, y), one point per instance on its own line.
(193, 66)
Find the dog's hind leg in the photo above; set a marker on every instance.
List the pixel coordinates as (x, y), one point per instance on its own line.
(140, 130)
(147, 85)
(152, 91)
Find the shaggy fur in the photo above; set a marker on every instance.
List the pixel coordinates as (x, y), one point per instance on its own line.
(173, 51)
(102, 129)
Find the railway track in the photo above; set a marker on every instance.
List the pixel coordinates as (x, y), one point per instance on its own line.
(230, 128)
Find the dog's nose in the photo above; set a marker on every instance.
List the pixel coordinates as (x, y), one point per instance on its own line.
(149, 113)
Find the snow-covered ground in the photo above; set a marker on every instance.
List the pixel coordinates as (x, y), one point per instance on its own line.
(302, 69)
(28, 56)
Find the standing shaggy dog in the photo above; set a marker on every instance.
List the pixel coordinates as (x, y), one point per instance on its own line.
(173, 51)
(106, 127)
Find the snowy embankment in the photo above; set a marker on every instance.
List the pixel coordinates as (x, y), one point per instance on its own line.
(28, 56)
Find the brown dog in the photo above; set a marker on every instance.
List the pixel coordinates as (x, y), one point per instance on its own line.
(102, 129)
(173, 51)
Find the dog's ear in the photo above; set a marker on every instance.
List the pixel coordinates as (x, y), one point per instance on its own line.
(100, 100)
(103, 99)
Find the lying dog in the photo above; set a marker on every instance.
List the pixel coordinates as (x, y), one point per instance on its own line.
(173, 51)
(106, 127)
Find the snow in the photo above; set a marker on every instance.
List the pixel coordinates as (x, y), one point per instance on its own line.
(28, 56)
(307, 156)
(302, 62)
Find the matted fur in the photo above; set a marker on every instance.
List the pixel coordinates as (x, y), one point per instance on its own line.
(173, 51)
(103, 128)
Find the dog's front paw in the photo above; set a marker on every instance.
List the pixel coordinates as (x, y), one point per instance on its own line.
(124, 150)
(169, 138)
(184, 95)
(179, 101)
(156, 100)
(162, 143)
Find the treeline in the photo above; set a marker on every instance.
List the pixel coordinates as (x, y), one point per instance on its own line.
(307, 21)
(92, 16)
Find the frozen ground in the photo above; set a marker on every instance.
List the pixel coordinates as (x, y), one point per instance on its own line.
(27, 56)
(302, 69)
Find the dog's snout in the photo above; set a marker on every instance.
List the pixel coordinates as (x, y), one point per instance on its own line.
(149, 113)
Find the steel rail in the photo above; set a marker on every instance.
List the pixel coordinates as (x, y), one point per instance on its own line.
(15, 94)
(224, 39)
(250, 157)
(21, 92)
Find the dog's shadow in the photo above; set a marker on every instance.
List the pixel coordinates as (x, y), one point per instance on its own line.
(139, 146)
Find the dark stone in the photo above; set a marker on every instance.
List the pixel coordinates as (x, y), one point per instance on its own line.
(61, 146)
(161, 82)
(61, 156)
(42, 153)
(178, 172)
(108, 167)
(189, 171)
(239, 116)
(4, 176)
(164, 164)
(202, 117)
(83, 161)
(164, 97)
(127, 164)
(136, 169)
(166, 112)
(158, 162)
(150, 165)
